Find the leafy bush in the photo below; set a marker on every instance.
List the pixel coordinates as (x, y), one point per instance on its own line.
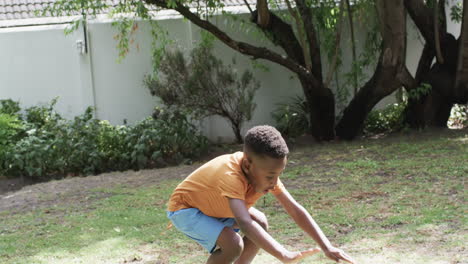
(169, 138)
(458, 116)
(43, 115)
(204, 86)
(292, 118)
(11, 129)
(389, 119)
(9, 107)
(55, 147)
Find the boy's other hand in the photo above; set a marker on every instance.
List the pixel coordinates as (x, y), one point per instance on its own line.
(337, 255)
(293, 257)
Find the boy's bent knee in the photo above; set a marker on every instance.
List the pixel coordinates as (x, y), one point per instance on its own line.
(230, 243)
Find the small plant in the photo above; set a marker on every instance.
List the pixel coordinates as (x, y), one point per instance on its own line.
(456, 12)
(292, 118)
(387, 120)
(420, 91)
(204, 86)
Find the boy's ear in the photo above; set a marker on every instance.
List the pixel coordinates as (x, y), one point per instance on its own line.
(247, 162)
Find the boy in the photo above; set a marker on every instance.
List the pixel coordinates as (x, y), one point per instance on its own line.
(213, 202)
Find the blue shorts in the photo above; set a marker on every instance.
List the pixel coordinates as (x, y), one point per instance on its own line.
(200, 227)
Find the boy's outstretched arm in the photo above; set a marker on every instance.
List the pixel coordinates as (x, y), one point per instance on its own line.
(261, 238)
(305, 221)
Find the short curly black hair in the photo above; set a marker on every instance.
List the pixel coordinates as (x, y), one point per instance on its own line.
(265, 140)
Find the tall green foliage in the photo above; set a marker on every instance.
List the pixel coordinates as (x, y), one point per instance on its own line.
(204, 86)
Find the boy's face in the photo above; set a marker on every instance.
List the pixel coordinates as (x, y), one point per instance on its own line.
(263, 172)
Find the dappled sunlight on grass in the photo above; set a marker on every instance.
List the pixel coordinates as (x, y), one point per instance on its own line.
(112, 250)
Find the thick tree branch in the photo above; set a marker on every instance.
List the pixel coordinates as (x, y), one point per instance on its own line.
(263, 17)
(422, 17)
(440, 58)
(242, 47)
(406, 79)
(353, 44)
(248, 6)
(282, 34)
(425, 62)
(333, 63)
(461, 80)
(301, 35)
(314, 47)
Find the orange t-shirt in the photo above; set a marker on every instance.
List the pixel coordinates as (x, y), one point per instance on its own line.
(209, 187)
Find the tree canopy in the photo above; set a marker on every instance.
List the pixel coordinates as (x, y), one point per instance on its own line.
(309, 32)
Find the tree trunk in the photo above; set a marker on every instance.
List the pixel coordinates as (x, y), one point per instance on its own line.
(320, 99)
(321, 104)
(461, 82)
(434, 108)
(414, 112)
(384, 81)
(237, 132)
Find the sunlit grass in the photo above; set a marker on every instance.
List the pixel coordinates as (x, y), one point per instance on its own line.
(396, 200)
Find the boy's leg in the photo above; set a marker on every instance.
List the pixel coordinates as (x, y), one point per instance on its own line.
(209, 232)
(230, 245)
(250, 249)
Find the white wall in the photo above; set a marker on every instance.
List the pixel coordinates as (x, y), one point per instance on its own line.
(38, 63)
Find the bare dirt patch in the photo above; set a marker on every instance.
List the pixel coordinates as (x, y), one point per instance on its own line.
(79, 190)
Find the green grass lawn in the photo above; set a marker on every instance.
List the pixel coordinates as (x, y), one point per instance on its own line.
(400, 199)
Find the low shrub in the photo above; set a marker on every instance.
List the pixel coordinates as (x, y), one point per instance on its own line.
(386, 120)
(11, 129)
(54, 147)
(292, 118)
(43, 115)
(168, 137)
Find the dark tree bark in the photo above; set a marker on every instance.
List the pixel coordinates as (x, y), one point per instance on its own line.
(320, 99)
(461, 81)
(389, 75)
(434, 108)
(383, 82)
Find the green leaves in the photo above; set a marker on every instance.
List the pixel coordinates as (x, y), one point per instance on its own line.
(389, 119)
(456, 12)
(420, 91)
(204, 86)
(45, 145)
(292, 118)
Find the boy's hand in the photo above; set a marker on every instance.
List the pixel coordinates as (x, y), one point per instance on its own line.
(293, 257)
(337, 254)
